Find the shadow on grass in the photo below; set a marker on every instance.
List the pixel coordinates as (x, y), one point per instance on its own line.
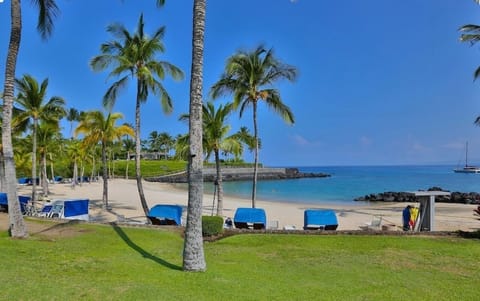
(142, 252)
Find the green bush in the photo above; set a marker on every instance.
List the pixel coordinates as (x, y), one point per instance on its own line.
(212, 225)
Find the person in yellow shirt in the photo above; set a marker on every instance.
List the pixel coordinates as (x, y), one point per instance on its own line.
(413, 217)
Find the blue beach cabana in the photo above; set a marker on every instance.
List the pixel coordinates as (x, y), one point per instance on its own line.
(165, 215)
(250, 217)
(4, 201)
(317, 219)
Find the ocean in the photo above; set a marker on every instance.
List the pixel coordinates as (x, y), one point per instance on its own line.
(349, 182)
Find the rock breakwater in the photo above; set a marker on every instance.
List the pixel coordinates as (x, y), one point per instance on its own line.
(241, 174)
(392, 196)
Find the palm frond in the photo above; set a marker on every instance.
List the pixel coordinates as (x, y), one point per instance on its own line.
(48, 11)
(111, 95)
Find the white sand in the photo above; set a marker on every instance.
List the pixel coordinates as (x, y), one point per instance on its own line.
(125, 203)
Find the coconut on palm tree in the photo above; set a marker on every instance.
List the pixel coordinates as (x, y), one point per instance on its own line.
(33, 109)
(250, 77)
(48, 10)
(102, 129)
(134, 56)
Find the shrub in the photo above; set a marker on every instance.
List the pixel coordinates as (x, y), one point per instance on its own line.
(212, 225)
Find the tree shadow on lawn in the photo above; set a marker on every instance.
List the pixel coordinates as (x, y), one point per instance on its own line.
(142, 252)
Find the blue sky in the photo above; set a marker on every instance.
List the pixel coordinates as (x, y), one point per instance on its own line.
(380, 81)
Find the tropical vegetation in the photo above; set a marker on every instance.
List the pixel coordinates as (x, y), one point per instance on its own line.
(48, 10)
(250, 77)
(102, 129)
(134, 55)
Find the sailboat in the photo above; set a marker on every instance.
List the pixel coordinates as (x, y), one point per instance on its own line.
(467, 168)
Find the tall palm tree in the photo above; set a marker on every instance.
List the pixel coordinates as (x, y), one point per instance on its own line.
(31, 97)
(249, 76)
(47, 13)
(215, 140)
(193, 253)
(134, 55)
(99, 128)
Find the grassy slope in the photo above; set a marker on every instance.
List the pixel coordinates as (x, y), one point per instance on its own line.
(116, 263)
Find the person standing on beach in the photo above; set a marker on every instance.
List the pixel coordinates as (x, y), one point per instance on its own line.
(406, 218)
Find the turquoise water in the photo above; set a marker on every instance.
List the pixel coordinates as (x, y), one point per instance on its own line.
(349, 182)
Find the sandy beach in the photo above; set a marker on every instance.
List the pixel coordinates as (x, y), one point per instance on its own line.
(125, 203)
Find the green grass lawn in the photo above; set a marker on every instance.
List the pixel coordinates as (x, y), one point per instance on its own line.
(101, 262)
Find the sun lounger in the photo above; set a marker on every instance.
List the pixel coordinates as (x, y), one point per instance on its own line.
(320, 219)
(254, 218)
(165, 215)
(375, 224)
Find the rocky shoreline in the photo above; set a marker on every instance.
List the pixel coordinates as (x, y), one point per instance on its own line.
(391, 196)
(241, 174)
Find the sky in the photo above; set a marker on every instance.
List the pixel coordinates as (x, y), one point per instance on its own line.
(380, 82)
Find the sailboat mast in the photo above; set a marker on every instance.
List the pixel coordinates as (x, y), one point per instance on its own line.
(466, 154)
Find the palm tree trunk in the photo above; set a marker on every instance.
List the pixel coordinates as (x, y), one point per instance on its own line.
(34, 161)
(193, 253)
(219, 184)
(2, 172)
(255, 167)
(105, 177)
(128, 163)
(51, 168)
(138, 174)
(75, 173)
(44, 175)
(18, 228)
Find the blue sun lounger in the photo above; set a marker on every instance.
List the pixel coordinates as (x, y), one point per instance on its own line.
(165, 215)
(250, 218)
(320, 219)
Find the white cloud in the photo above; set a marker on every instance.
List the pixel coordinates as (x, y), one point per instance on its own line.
(302, 141)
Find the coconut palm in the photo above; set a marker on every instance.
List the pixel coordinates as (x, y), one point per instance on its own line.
(129, 147)
(47, 134)
(134, 55)
(166, 143)
(193, 253)
(471, 34)
(72, 116)
(47, 13)
(99, 128)
(215, 140)
(249, 76)
(31, 97)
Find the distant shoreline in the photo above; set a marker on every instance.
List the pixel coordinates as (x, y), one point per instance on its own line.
(242, 174)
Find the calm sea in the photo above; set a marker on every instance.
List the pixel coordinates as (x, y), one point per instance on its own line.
(349, 182)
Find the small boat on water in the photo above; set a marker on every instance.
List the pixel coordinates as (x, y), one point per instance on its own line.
(467, 168)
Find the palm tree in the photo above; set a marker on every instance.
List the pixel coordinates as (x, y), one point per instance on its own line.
(134, 56)
(215, 139)
(47, 134)
(47, 13)
(99, 128)
(30, 99)
(166, 143)
(249, 76)
(72, 115)
(193, 253)
(153, 141)
(471, 34)
(129, 146)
